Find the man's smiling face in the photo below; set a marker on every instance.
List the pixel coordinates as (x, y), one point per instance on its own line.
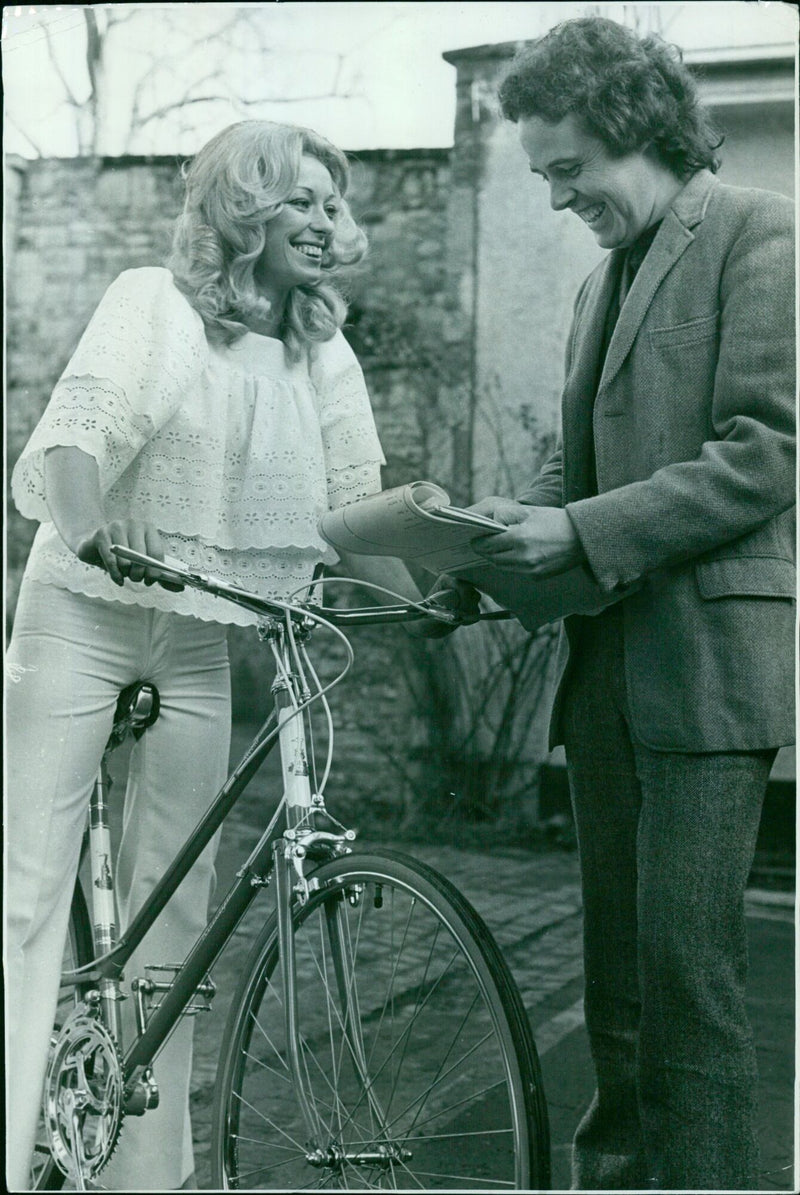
(617, 198)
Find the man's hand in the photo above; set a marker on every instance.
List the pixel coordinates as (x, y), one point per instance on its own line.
(540, 541)
(502, 510)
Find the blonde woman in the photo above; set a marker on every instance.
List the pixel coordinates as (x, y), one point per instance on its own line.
(212, 411)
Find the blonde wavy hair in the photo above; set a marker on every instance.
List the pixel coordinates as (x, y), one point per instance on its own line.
(235, 185)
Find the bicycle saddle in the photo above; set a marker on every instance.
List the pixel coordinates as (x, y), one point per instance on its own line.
(138, 707)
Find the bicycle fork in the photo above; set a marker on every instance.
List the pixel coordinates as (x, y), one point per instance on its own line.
(297, 794)
(289, 859)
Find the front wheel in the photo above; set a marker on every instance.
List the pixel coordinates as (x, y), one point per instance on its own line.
(419, 1068)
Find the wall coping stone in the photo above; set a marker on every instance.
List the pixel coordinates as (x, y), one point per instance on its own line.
(734, 60)
(424, 156)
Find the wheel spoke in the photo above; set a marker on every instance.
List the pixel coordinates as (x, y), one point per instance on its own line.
(422, 1096)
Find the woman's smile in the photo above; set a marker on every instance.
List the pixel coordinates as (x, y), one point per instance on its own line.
(312, 251)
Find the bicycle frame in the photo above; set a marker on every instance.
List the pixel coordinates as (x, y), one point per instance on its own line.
(284, 845)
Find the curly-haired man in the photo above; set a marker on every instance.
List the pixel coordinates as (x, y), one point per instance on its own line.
(674, 484)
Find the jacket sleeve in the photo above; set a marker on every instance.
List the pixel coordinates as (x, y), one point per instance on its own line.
(744, 474)
(548, 488)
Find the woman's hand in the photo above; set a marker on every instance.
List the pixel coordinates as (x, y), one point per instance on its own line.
(94, 547)
(540, 541)
(72, 487)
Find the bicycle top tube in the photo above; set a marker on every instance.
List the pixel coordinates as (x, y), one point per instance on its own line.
(297, 611)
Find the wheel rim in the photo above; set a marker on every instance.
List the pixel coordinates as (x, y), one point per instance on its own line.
(441, 1106)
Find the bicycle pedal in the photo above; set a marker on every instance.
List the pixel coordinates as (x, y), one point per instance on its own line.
(149, 991)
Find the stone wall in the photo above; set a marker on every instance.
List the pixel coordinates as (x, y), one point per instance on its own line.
(77, 224)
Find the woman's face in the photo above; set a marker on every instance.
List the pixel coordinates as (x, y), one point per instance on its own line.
(300, 234)
(617, 198)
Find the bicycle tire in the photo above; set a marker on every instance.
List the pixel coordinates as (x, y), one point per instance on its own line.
(454, 1078)
(78, 951)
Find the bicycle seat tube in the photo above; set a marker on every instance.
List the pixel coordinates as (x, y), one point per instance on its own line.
(104, 927)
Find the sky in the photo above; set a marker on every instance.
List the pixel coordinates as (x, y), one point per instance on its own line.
(384, 59)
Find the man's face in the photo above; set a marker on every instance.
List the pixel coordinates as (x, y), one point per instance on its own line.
(617, 198)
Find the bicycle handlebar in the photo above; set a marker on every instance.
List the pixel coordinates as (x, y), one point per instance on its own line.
(266, 607)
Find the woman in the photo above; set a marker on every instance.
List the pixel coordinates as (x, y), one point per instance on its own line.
(212, 412)
(674, 485)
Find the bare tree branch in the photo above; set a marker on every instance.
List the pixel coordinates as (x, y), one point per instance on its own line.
(36, 149)
(115, 17)
(173, 64)
(158, 63)
(94, 46)
(71, 99)
(187, 102)
(340, 60)
(238, 18)
(138, 122)
(295, 99)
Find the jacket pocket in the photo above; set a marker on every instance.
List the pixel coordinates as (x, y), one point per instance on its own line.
(746, 576)
(690, 332)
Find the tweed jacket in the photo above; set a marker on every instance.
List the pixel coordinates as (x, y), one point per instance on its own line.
(692, 425)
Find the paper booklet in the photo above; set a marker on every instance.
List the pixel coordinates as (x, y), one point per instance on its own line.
(417, 523)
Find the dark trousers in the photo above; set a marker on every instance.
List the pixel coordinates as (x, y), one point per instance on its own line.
(666, 843)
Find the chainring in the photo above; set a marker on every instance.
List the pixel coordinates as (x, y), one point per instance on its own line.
(83, 1093)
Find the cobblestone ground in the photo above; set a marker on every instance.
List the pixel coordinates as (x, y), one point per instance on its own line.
(531, 902)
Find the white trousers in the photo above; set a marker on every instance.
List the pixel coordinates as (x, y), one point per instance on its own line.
(68, 660)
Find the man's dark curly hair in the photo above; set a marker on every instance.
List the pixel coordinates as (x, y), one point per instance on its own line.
(629, 92)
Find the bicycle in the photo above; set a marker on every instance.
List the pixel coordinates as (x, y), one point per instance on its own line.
(376, 1038)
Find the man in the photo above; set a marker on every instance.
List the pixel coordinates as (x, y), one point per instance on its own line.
(673, 483)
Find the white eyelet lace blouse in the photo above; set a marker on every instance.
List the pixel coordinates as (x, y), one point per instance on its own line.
(232, 452)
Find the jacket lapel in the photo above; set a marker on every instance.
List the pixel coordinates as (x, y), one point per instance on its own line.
(672, 239)
(591, 329)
